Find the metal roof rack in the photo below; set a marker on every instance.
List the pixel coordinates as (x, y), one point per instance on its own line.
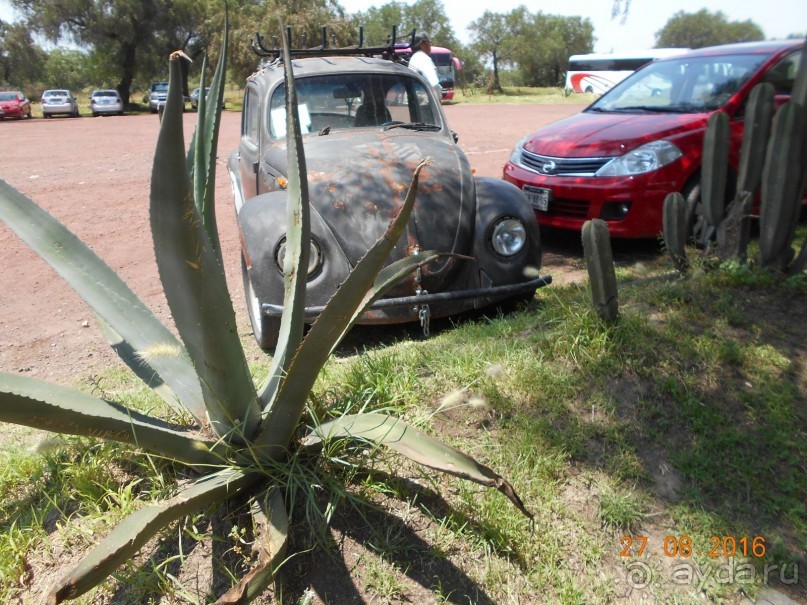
(386, 51)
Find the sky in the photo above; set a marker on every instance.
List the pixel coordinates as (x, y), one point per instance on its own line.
(777, 18)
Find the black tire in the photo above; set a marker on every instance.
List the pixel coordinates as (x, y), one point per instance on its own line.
(265, 329)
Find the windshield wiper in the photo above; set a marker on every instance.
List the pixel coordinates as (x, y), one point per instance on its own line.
(655, 109)
(413, 126)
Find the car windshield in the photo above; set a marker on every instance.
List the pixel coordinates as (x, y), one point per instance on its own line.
(350, 100)
(8, 96)
(160, 87)
(684, 85)
(105, 93)
(56, 93)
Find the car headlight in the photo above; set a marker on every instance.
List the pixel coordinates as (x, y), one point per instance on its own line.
(646, 158)
(515, 155)
(508, 237)
(314, 256)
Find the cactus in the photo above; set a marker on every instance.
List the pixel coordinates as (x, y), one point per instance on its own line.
(675, 229)
(781, 188)
(715, 168)
(600, 266)
(756, 133)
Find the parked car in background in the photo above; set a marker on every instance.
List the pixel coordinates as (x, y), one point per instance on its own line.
(194, 98)
(106, 101)
(59, 101)
(367, 123)
(158, 91)
(14, 104)
(619, 157)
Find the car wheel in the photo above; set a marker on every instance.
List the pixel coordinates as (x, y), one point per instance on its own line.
(266, 329)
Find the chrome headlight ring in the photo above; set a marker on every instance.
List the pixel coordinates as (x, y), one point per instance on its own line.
(509, 236)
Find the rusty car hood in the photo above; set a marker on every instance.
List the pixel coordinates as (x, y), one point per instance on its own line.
(359, 179)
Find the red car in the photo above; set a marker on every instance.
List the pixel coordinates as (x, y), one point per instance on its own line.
(619, 157)
(13, 104)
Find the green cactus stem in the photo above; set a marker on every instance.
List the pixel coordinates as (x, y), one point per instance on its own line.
(756, 132)
(675, 229)
(781, 188)
(600, 265)
(715, 168)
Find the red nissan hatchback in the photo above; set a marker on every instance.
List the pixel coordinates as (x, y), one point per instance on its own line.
(619, 157)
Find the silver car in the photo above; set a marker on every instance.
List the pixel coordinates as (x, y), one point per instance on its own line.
(106, 101)
(59, 102)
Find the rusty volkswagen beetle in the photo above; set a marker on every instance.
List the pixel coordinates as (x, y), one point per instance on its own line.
(367, 122)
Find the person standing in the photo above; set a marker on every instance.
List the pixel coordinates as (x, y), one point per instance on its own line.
(422, 62)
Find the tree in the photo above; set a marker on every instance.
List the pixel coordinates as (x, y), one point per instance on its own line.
(423, 15)
(492, 38)
(68, 68)
(695, 30)
(127, 33)
(21, 60)
(545, 44)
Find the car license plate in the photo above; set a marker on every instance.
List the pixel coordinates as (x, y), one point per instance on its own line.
(539, 198)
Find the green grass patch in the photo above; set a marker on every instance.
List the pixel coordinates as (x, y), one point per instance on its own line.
(687, 417)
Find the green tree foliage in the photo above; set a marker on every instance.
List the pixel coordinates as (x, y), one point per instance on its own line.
(543, 48)
(128, 34)
(695, 30)
(493, 40)
(21, 60)
(424, 15)
(248, 17)
(68, 68)
(538, 45)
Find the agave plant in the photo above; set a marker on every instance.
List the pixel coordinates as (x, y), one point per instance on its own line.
(238, 429)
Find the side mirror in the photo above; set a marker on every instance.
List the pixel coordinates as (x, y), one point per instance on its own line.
(455, 136)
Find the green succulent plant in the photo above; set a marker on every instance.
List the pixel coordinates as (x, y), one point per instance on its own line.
(240, 434)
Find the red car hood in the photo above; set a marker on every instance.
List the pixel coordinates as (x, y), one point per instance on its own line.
(591, 134)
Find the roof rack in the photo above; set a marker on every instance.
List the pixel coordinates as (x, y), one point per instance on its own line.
(387, 51)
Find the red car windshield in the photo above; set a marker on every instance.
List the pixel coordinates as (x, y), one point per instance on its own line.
(685, 85)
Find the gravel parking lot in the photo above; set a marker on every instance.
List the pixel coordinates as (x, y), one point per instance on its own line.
(93, 175)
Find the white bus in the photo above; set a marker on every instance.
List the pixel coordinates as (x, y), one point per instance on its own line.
(597, 72)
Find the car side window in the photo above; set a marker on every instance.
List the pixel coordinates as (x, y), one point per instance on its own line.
(250, 116)
(783, 74)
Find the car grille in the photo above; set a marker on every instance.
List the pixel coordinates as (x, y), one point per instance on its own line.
(543, 164)
(571, 208)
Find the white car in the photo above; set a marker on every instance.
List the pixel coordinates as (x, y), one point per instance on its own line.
(106, 101)
(57, 102)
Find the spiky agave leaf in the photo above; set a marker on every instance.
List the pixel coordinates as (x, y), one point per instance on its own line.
(284, 411)
(298, 238)
(415, 445)
(52, 407)
(194, 282)
(272, 528)
(107, 295)
(201, 156)
(133, 532)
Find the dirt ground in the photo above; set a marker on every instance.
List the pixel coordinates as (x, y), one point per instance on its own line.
(93, 175)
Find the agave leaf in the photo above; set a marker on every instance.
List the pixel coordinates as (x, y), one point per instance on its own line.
(298, 237)
(272, 521)
(51, 407)
(107, 295)
(415, 445)
(283, 411)
(137, 364)
(205, 142)
(194, 282)
(134, 531)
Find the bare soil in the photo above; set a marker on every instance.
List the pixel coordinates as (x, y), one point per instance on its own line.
(93, 175)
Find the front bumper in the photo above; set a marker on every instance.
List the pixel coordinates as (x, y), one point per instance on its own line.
(406, 308)
(578, 199)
